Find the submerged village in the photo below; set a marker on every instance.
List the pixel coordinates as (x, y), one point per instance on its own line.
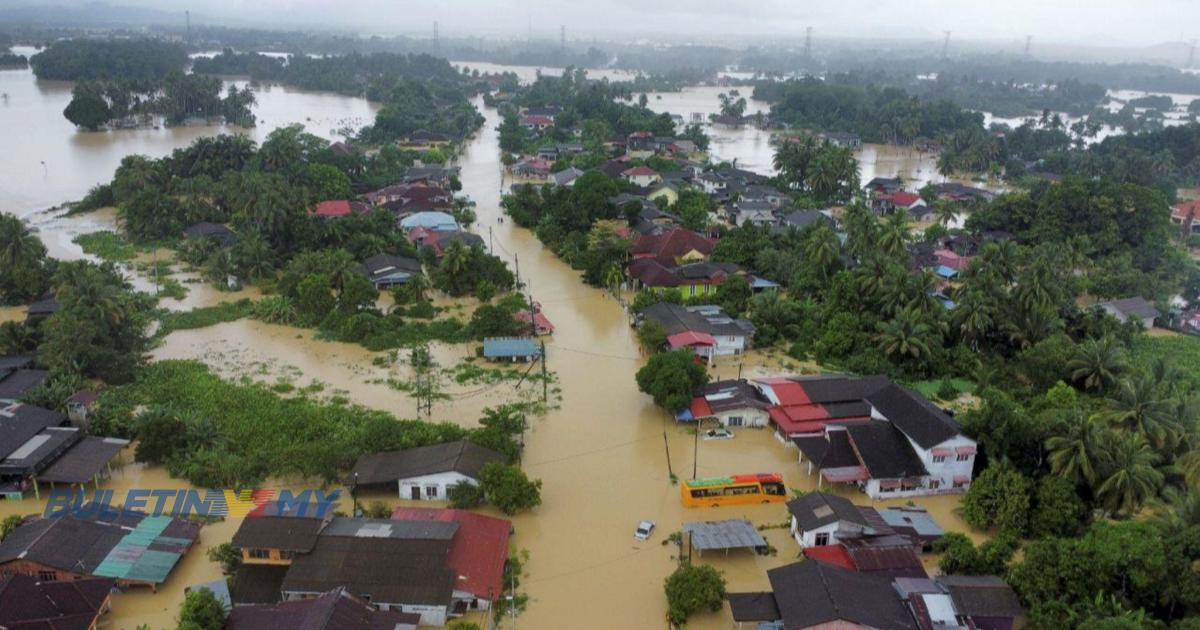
(449, 337)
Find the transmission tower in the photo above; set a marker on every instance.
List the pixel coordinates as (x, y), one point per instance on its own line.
(1028, 43)
(808, 42)
(187, 16)
(946, 45)
(562, 40)
(1191, 54)
(436, 43)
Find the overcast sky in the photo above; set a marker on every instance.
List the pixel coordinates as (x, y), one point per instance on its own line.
(1095, 22)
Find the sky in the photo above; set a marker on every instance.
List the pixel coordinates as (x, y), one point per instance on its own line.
(1095, 22)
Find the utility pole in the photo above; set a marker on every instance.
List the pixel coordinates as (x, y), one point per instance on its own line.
(491, 247)
(545, 378)
(946, 45)
(1028, 43)
(695, 449)
(808, 42)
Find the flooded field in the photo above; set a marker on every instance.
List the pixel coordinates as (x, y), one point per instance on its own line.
(605, 454)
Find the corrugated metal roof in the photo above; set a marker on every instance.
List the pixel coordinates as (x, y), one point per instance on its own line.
(731, 534)
(509, 347)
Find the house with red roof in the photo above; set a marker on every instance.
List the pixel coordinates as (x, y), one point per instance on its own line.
(641, 176)
(536, 122)
(531, 168)
(541, 323)
(672, 248)
(1186, 215)
(338, 208)
(478, 553)
(949, 258)
(732, 403)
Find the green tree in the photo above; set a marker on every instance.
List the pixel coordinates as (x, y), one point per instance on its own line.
(1131, 475)
(691, 589)
(24, 268)
(1057, 509)
(465, 496)
(1077, 454)
(161, 435)
(507, 488)
(87, 108)
(226, 555)
(670, 378)
(1097, 364)
(10, 524)
(906, 336)
(652, 336)
(998, 498)
(201, 610)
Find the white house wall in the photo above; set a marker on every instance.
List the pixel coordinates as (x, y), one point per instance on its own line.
(442, 481)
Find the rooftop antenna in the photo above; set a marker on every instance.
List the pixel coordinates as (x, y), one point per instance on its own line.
(1028, 43)
(946, 45)
(435, 35)
(808, 41)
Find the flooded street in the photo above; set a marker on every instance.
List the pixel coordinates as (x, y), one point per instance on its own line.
(605, 454)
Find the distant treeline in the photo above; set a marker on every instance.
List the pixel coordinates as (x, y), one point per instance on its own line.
(95, 60)
(877, 115)
(1005, 99)
(11, 60)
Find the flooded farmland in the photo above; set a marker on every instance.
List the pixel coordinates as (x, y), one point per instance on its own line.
(605, 454)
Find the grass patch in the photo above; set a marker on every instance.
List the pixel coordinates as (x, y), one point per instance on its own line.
(106, 245)
(1182, 351)
(929, 389)
(170, 321)
(261, 433)
(171, 288)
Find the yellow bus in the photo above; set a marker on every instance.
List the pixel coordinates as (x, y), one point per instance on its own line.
(735, 490)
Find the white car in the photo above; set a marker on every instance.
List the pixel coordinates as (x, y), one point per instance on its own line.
(718, 434)
(643, 530)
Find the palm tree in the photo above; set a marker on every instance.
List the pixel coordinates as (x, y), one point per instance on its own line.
(945, 212)
(1139, 409)
(1077, 453)
(975, 317)
(16, 338)
(456, 258)
(253, 257)
(895, 234)
(1132, 475)
(613, 277)
(1097, 364)
(905, 336)
(1177, 509)
(18, 246)
(822, 249)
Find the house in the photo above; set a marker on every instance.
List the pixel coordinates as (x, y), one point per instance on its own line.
(423, 139)
(733, 403)
(983, 602)
(514, 349)
(961, 193)
(336, 610)
(642, 176)
(1136, 309)
(822, 594)
(410, 193)
(672, 248)
(531, 168)
(131, 547)
(438, 240)
(753, 212)
(1186, 215)
(914, 523)
(436, 221)
(799, 220)
(15, 383)
(819, 519)
(387, 270)
(27, 603)
(884, 438)
(41, 309)
(478, 553)
(215, 232)
(36, 445)
(566, 178)
(692, 279)
(541, 323)
(728, 336)
(952, 260)
(427, 472)
(893, 559)
(841, 139)
(883, 185)
(819, 595)
(338, 208)
(667, 190)
(78, 406)
(436, 564)
(440, 176)
(536, 122)
(343, 149)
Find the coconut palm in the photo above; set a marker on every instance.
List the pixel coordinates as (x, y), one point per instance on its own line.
(945, 212)
(822, 249)
(253, 257)
(1138, 408)
(905, 336)
(16, 338)
(974, 317)
(894, 238)
(1097, 364)
(456, 258)
(1131, 477)
(1177, 509)
(18, 245)
(1030, 327)
(1077, 454)
(613, 277)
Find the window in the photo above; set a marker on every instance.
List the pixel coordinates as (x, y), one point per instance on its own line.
(47, 576)
(822, 539)
(963, 457)
(934, 484)
(692, 290)
(431, 492)
(287, 555)
(938, 459)
(260, 554)
(958, 483)
(734, 421)
(883, 488)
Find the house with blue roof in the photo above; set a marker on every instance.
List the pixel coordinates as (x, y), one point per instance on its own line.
(515, 349)
(430, 220)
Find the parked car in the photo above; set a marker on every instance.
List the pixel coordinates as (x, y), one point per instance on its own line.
(643, 530)
(718, 434)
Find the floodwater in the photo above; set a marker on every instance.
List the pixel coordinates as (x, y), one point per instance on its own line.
(605, 454)
(49, 161)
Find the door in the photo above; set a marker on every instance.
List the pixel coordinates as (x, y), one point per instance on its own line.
(416, 493)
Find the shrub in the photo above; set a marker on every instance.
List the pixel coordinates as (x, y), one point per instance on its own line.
(465, 495)
(691, 589)
(507, 488)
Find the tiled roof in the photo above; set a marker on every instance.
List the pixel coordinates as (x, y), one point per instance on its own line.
(479, 550)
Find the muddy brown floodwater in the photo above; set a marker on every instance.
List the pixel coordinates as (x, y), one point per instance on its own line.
(604, 453)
